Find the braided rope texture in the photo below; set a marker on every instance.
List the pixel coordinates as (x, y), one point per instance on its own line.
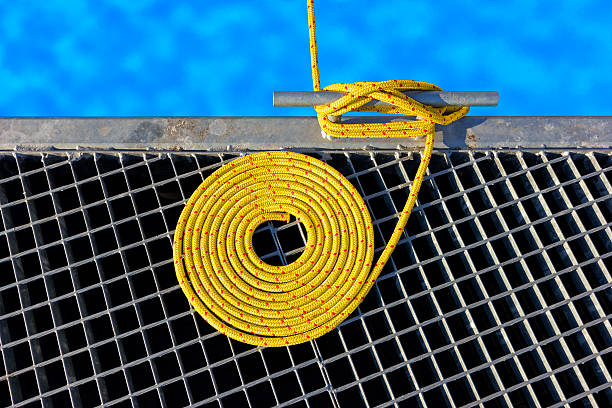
(251, 301)
(360, 93)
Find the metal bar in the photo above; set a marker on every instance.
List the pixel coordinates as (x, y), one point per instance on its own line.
(433, 98)
(239, 134)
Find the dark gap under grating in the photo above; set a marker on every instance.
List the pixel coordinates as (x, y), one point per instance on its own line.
(483, 298)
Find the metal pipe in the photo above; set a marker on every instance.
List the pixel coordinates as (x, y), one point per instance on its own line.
(431, 98)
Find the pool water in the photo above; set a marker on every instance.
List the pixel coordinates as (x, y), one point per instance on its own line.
(117, 58)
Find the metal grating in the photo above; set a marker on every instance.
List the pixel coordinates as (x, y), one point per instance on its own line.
(498, 295)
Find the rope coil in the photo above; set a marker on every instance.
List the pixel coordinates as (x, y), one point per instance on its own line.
(251, 301)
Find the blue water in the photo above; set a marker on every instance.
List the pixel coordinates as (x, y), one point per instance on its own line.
(226, 57)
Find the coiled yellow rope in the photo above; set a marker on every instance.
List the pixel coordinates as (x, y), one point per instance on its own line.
(251, 301)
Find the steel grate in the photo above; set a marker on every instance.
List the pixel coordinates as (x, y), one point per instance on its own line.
(499, 293)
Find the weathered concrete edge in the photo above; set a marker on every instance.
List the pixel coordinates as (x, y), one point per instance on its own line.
(264, 133)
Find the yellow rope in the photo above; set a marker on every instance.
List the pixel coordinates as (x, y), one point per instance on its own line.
(360, 93)
(251, 301)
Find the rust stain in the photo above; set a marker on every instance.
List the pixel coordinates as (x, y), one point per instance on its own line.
(471, 140)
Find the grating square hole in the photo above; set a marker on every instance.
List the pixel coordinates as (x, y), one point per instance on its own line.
(226, 376)
(121, 208)
(91, 192)
(424, 372)
(146, 201)
(172, 214)
(169, 193)
(132, 347)
(104, 241)
(67, 200)
(16, 215)
(311, 378)
(389, 353)
(436, 397)
(11, 191)
(21, 240)
(251, 367)
(143, 284)
(47, 232)
(401, 317)
(190, 183)
(192, 357)
(167, 366)
(277, 359)
(159, 250)
(115, 184)
(485, 382)
(351, 397)
(459, 326)
(461, 392)
(128, 233)
(354, 334)
(424, 307)
(125, 319)
(81, 365)
(161, 169)
(495, 344)
(364, 363)
(26, 383)
(381, 206)
(41, 208)
(201, 386)
(412, 343)
(54, 376)
(158, 338)
(165, 276)
(287, 387)
(261, 395)
(66, 311)
(340, 372)
(93, 301)
(33, 292)
(79, 249)
(39, 319)
(22, 357)
(543, 390)
(176, 303)
(100, 329)
(106, 357)
(9, 300)
(136, 258)
(377, 325)
(471, 354)
(140, 376)
(60, 176)
(36, 183)
(13, 329)
(86, 275)
(149, 399)
(98, 216)
(111, 266)
(72, 224)
(73, 338)
(84, 167)
(153, 225)
(115, 385)
(151, 311)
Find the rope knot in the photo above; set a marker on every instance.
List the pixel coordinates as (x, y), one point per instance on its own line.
(359, 96)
